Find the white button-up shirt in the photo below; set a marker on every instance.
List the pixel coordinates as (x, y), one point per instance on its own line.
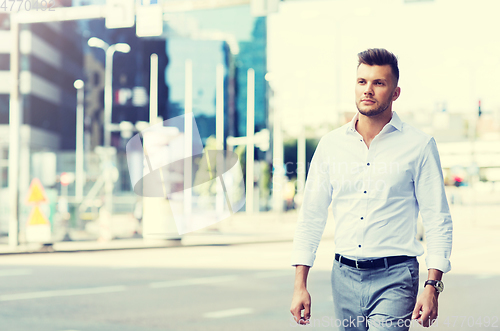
(376, 194)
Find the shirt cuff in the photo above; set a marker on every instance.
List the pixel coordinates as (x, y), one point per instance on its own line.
(439, 263)
(302, 258)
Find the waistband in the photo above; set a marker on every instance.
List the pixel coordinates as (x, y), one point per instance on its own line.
(375, 263)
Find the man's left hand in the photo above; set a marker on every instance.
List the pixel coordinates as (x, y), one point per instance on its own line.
(426, 308)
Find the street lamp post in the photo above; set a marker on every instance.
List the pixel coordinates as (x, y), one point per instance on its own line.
(79, 85)
(108, 80)
(108, 107)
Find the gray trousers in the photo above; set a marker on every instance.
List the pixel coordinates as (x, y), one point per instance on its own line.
(374, 299)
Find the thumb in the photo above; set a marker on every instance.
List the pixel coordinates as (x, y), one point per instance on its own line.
(416, 311)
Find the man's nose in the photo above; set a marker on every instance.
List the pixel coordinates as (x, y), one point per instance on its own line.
(368, 89)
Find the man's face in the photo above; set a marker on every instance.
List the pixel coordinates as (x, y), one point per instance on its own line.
(375, 89)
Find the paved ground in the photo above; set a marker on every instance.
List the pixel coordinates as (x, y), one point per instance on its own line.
(198, 288)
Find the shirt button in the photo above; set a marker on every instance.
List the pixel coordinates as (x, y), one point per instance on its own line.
(368, 164)
(364, 192)
(359, 246)
(361, 217)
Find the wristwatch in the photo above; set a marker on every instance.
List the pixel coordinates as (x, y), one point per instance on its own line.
(438, 285)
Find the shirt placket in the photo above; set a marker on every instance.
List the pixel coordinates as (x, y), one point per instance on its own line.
(364, 195)
(363, 200)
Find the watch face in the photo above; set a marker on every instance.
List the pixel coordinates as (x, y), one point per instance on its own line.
(439, 286)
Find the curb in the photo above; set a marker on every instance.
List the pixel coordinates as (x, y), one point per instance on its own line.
(43, 250)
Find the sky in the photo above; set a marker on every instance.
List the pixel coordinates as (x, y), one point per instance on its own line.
(448, 52)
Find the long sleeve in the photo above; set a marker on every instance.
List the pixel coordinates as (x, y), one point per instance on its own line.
(314, 210)
(431, 198)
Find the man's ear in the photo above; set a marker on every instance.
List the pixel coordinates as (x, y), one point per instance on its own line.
(396, 93)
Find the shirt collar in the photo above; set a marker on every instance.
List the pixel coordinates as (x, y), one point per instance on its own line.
(394, 122)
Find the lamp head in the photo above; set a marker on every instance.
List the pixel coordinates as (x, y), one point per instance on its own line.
(122, 47)
(78, 84)
(99, 43)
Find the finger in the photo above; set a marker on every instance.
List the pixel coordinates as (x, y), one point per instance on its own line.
(432, 318)
(296, 314)
(416, 311)
(307, 311)
(425, 318)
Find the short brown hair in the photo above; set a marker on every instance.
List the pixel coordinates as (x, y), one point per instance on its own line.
(380, 57)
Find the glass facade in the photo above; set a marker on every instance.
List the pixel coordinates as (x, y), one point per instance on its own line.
(252, 55)
(205, 56)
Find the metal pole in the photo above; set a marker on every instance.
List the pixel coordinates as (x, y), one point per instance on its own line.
(278, 171)
(188, 139)
(153, 88)
(158, 221)
(219, 131)
(219, 107)
(301, 160)
(108, 94)
(250, 139)
(108, 106)
(338, 73)
(79, 180)
(15, 118)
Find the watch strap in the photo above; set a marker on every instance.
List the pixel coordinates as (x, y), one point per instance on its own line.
(435, 283)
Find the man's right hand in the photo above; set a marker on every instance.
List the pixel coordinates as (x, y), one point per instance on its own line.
(301, 301)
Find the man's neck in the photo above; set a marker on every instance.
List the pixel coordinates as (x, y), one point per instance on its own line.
(370, 126)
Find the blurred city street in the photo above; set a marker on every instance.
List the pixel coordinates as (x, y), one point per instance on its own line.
(154, 156)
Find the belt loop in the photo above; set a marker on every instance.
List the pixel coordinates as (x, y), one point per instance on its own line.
(340, 258)
(357, 264)
(386, 264)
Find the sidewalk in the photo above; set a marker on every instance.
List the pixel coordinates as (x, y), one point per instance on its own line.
(476, 224)
(238, 229)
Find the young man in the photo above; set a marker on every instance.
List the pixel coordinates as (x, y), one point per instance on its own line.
(378, 173)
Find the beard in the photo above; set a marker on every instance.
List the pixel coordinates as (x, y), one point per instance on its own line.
(374, 112)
